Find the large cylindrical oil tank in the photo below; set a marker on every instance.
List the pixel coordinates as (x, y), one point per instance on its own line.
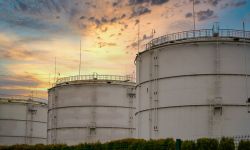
(22, 121)
(194, 84)
(91, 108)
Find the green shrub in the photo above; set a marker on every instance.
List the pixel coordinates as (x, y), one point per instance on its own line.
(138, 144)
(244, 145)
(161, 144)
(226, 144)
(207, 144)
(87, 146)
(120, 144)
(188, 145)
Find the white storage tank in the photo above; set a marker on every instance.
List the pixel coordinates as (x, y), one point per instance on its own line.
(22, 121)
(194, 84)
(91, 108)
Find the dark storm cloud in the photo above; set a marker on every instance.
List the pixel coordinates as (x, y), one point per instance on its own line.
(152, 2)
(138, 11)
(205, 14)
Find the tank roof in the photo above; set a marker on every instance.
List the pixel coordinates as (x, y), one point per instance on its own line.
(94, 78)
(22, 99)
(198, 35)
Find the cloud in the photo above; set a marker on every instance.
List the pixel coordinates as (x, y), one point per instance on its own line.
(234, 4)
(27, 22)
(188, 15)
(104, 44)
(117, 3)
(158, 2)
(152, 2)
(213, 2)
(239, 3)
(205, 14)
(22, 54)
(138, 11)
(18, 81)
(137, 21)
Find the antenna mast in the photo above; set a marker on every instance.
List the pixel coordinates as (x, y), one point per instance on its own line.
(194, 14)
(80, 57)
(138, 38)
(55, 72)
(246, 72)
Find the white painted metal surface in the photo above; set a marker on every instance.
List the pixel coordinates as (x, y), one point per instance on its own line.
(22, 121)
(90, 110)
(194, 87)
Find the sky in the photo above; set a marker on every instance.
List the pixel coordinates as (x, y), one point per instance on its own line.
(35, 33)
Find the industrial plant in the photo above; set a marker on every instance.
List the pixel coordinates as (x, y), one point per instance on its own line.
(194, 84)
(23, 120)
(91, 108)
(189, 85)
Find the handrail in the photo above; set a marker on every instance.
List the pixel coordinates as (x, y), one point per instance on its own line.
(5, 98)
(194, 34)
(127, 78)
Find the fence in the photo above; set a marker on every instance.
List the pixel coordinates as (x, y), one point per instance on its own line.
(96, 77)
(194, 34)
(5, 98)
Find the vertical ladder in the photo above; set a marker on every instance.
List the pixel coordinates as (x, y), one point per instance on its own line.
(246, 71)
(217, 70)
(54, 118)
(131, 96)
(210, 118)
(155, 91)
(32, 111)
(26, 124)
(92, 124)
(139, 97)
(150, 91)
(217, 101)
